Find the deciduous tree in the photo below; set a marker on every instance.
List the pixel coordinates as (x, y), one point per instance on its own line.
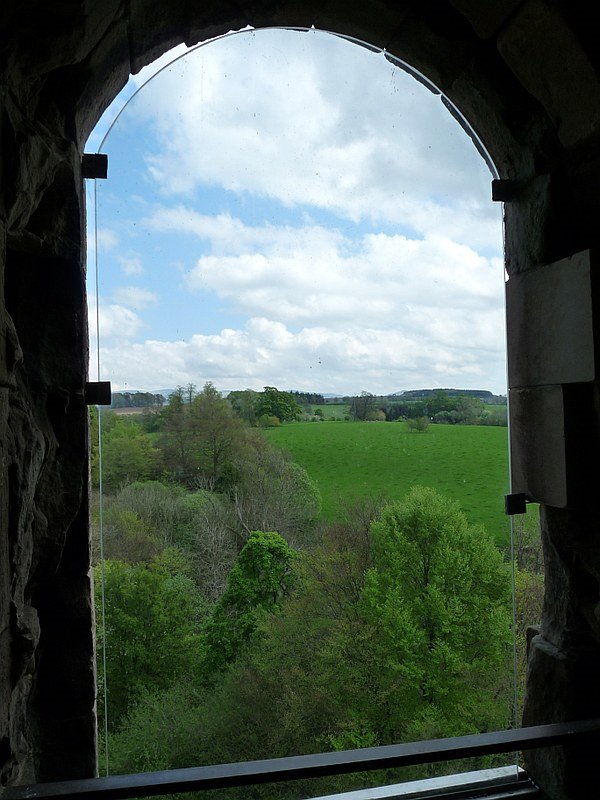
(438, 595)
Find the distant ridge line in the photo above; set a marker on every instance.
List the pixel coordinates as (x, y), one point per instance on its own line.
(418, 393)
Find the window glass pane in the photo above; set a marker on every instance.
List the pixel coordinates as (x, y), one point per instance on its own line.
(300, 304)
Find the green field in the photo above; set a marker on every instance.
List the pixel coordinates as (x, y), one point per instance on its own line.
(331, 410)
(351, 460)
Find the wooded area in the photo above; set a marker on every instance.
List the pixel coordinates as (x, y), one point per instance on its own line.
(239, 625)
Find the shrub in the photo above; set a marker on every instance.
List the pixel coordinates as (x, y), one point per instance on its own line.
(418, 424)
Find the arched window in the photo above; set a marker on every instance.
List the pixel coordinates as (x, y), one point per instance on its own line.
(297, 237)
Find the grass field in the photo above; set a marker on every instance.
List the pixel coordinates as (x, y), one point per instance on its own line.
(383, 459)
(331, 410)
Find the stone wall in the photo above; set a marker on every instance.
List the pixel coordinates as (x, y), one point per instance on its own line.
(523, 72)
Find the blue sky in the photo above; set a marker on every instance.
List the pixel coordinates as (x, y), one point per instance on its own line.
(290, 209)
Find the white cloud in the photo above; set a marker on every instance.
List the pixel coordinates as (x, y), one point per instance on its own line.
(267, 352)
(131, 265)
(341, 131)
(107, 239)
(134, 297)
(115, 320)
(309, 119)
(313, 275)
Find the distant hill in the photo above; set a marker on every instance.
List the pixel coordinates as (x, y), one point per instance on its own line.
(480, 394)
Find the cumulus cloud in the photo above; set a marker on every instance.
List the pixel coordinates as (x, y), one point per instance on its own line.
(134, 297)
(313, 275)
(131, 265)
(327, 312)
(107, 239)
(400, 286)
(267, 352)
(115, 320)
(291, 117)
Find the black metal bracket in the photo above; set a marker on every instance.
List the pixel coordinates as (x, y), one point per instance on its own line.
(98, 393)
(515, 504)
(94, 165)
(503, 191)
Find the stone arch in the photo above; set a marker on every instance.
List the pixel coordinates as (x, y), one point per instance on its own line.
(525, 75)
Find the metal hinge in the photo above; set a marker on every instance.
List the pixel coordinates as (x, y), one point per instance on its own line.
(94, 165)
(503, 191)
(98, 393)
(515, 504)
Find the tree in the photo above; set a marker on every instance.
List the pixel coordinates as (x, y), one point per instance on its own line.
(469, 408)
(244, 404)
(153, 617)
(261, 577)
(213, 539)
(216, 435)
(127, 454)
(438, 596)
(200, 438)
(275, 493)
(439, 401)
(175, 443)
(418, 424)
(272, 402)
(361, 406)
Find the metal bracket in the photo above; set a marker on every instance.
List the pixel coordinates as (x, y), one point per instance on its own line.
(94, 165)
(98, 393)
(515, 504)
(503, 191)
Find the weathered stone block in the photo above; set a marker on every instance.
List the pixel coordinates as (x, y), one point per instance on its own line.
(561, 76)
(486, 18)
(554, 441)
(154, 28)
(371, 24)
(537, 443)
(550, 323)
(530, 225)
(416, 41)
(563, 687)
(213, 18)
(104, 73)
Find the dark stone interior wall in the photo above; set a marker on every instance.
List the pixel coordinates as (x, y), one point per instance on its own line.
(46, 642)
(525, 74)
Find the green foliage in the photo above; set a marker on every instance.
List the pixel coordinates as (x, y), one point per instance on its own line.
(261, 577)
(274, 403)
(136, 400)
(446, 409)
(438, 595)
(418, 424)
(126, 536)
(390, 630)
(268, 421)
(127, 452)
(153, 618)
(224, 643)
(244, 404)
(275, 493)
(200, 438)
(376, 415)
(495, 415)
(142, 518)
(162, 730)
(361, 406)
